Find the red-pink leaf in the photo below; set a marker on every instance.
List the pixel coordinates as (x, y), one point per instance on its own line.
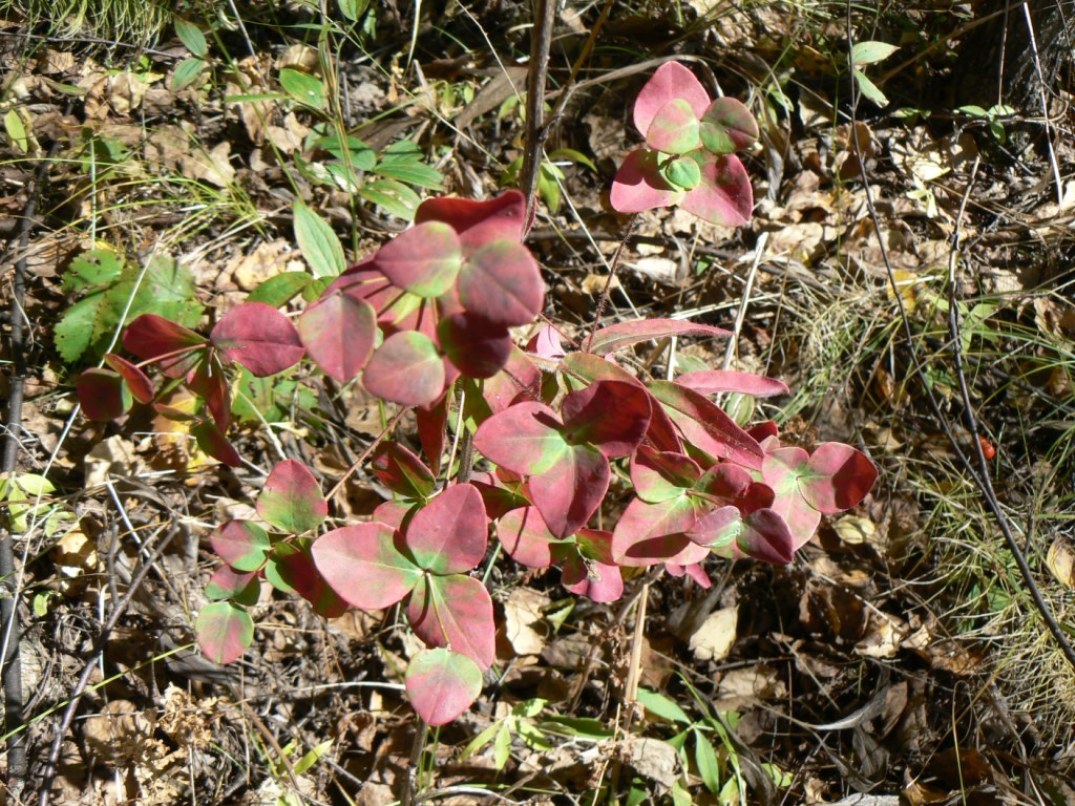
(151, 336)
(398, 469)
(442, 684)
(674, 128)
(102, 394)
(767, 537)
(727, 126)
(449, 534)
(706, 427)
(569, 492)
(227, 583)
(425, 259)
(730, 485)
(137, 381)
(339, 331)
(695, 571)
(764, 431)
(259, 337)
(781, 470)
(716, 381)
(477, 347)
(724, 196)
(456, 612)
(524, 438)
(670, 81)
(639, 186)
(432, 423)
(518, 380)
(364, 566)
(656, 533)
(599, 582)
(212, 440)
(406, 369)
(837, 478)
(209, 382)
(501, 282)
(291, 499)
(224, 631)
(241, 544)
(478, 222)
(611, 415)
(292, 566)
(718, 530)
(526, 538)
(546, 344)
(616, 337)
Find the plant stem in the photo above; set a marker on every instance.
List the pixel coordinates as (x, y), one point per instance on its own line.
(536, 133)
(606, 292)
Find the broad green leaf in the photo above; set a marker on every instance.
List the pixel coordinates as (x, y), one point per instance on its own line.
(871, 52)
(192, 37)
(869, 90)
(74, 332)
(392, 196)
(312, 756)
(353, 9)
(662, 706)
(303, 87)
(706, 759)
(186, 73)
(16, 130)
(96, 267)
(318, 242)
(279, 290)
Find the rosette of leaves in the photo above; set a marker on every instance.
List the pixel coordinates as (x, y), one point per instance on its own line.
(444, 295)
(291, 507)
(421, 558)
(254, 335)
(689, 158)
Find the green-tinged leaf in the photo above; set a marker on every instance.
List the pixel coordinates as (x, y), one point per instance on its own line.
(571, 155)
(186, 73)
(318, 242)
(291, 499)
(662, 706)
(224, 631)
(682, 172)
(348, 150)
(706, 759)
(16, 131)
(442, 684)
(413, 173)
(869, 90)
(680, 795)
(303, 87)
(241, 544)
(871, 52)
(502, 746)
(279, 290)
(96, 267)
(74, 332)
(481, 740)
(192, 37)
(353, 9)
(392, 196)
(227, 583)
(312, 756)
(576, 727)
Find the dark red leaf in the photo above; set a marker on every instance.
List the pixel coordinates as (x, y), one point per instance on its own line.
(478, 222)
(611, 415)
(477, 347)
(501, 282)
(398, 469)
(339, 332)
(151, 337)
(137, 381)
(406, 369)
(212, 440)
(102, 394)
(259, 337)
(569, 492)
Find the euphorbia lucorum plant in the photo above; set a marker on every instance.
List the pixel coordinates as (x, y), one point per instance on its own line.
(432, 311)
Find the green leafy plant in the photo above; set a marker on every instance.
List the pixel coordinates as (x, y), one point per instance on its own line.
(112, 291)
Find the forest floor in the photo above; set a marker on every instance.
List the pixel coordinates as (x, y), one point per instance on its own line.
(899, 659)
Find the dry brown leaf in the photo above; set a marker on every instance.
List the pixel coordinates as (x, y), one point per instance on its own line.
(884, 637)
(1061, 561)
(111, 458)
(119, 734)
(741, 688)
(267, 260)
(653, 759)
(211, 166)
(522, 611)
(715, 638)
